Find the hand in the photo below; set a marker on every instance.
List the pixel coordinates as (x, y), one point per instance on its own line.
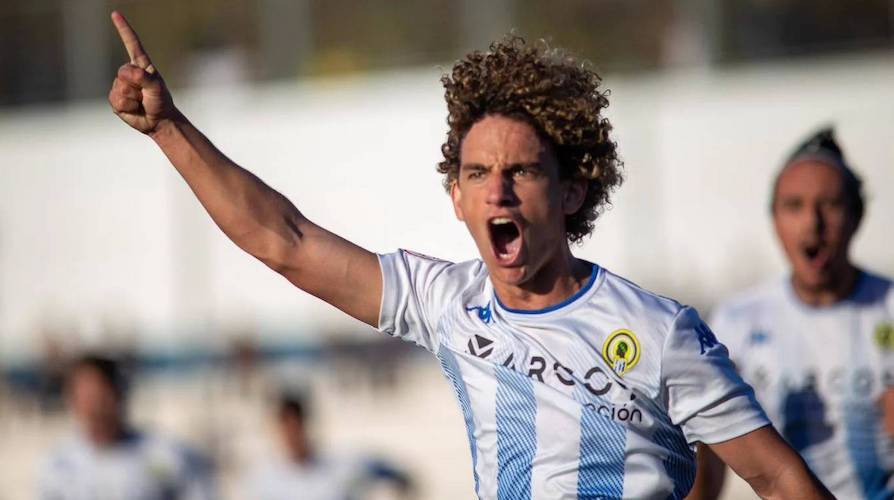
(139, 95)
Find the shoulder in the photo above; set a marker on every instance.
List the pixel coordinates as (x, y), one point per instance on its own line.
(751, 302)
(176, 454)
(635, 302)
(64, 456)
(875, 289)
(438, 273)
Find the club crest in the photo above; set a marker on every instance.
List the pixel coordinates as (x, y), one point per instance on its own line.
(621, 350)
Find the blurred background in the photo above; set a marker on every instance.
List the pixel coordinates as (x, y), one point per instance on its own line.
(337, 104)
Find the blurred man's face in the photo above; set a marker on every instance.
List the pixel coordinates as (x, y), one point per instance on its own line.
(511, 198)
(814, 224)
(96, 406)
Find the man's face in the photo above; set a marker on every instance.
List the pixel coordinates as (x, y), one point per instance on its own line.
(511, 198)
(95, 405)
(814, 223)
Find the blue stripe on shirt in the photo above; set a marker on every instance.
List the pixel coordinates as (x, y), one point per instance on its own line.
(601, 466)
(680, 460)
(451, 368)
(861, 435)
(516, 434)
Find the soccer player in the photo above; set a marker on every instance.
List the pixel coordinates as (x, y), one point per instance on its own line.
(573, 382)
(817, 345)
(317, 476)
(108, 459)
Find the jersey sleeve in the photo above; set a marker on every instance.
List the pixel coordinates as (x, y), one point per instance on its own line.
(414, 293)
(729, 331)
(702, 391)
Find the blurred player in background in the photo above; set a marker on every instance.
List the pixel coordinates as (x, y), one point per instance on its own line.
(817, 345)
(305, 473)
(573, 382)
(106, 458)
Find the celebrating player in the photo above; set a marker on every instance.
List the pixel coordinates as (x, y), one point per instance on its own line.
(817, 345)
(573, 382)
(107, 458)
(318, 475)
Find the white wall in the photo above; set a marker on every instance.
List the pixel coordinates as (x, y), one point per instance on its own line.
(97, 231)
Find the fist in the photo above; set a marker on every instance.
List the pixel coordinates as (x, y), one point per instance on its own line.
(139, 95)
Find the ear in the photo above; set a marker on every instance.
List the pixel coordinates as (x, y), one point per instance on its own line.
(456, 196)
(573, 195)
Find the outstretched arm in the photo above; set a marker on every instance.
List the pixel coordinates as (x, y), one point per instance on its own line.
(771, 467)
(253, 215)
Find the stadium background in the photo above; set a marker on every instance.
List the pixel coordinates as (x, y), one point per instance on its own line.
(337, 104)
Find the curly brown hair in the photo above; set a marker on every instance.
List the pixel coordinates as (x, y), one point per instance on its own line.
(555, 94)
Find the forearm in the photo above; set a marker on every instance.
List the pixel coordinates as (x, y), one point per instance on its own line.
(794, 480)
(253, 215)
(772, 468)
(256, 217)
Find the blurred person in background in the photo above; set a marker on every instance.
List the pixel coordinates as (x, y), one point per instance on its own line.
(106, 458)
(572, 381)
(817, 345)
(304, 472)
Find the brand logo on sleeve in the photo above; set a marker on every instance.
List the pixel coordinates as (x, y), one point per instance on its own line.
(706, 338)
(758, 337)
(621, 350)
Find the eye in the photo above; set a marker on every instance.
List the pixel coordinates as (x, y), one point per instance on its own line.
(791, 204)
(833, 203)
(525, 171)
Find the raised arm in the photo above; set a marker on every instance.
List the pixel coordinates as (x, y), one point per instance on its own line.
(253, 215)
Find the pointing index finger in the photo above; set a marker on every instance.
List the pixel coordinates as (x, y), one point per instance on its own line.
(131, 41)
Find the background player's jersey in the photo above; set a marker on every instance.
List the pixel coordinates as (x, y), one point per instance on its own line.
(819, 373)
(141, 467)
(600, 396)
(325, 478)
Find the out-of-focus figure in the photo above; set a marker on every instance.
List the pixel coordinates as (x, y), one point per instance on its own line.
(107, 459)
(304, 473)
(818, 345)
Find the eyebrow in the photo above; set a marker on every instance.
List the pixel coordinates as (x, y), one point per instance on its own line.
(479, 166)
(473, 166)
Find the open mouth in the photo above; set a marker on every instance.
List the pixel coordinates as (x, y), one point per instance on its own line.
(505, 237)
(817, 254)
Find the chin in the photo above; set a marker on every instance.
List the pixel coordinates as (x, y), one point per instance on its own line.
(509, 275)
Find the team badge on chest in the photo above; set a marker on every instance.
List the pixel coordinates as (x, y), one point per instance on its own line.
(621, 350)
(884, 336)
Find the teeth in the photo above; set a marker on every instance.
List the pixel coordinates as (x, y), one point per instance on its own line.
(501, 220)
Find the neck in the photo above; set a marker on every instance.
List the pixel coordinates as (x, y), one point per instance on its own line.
(302, 457)
(106, 437)
(838, 288)
(554, 282)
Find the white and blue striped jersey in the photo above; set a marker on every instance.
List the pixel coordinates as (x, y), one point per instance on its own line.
(324, 478)
(140, 467)
(601, 396)
(819, 372)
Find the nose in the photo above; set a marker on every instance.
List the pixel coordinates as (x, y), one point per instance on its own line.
(817, 219)
(501, 190)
